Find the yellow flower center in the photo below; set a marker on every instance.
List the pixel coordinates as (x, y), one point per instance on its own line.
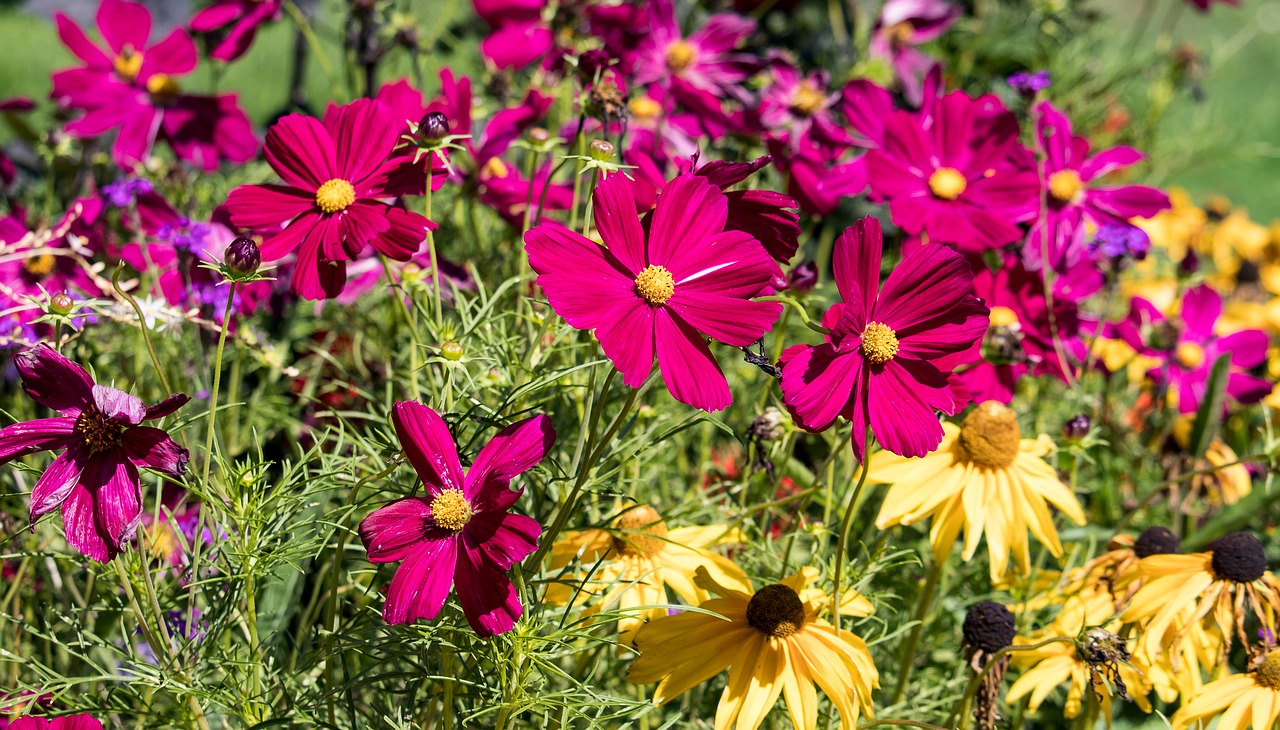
(1066, 186)
(680, 56)
(776, 610)
(807, 99)
(641, 531)
(1190, 355)
(451, 510)
(655, 285)
(1268, 673)
(335, 195)
(40, 266)
(879, 343)
(989, 435)
(97, 432)
(1003, 317)
(947, 183)
(644, 108)
(162, 87)
(128, 63)
(900, 33)
(496, 168)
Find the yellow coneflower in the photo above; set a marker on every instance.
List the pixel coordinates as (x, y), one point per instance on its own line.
(1239, 701)
(1095, 656)
(773, 643)
(1225, 479)
(1178, 670)
(1220, 584)
(983, 478)
(630, 565)
(1111, 571)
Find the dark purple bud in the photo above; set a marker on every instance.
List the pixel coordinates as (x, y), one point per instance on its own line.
(61, 303)
(1076, 428)
(803, 278)
(433, 127)
(243, 257)
(591, 63)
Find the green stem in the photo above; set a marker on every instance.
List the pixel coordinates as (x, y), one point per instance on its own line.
(399, 291)
(799, 308)
(300, 19)
(209, 440)
(846, 522)
(435, 265)
(906, 659)
(142, 324)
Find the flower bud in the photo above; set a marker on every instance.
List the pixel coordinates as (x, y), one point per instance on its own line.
(803, 278)
(433, 127)
(451, 351)
(591, 63)
(538, 136)
(1076, 428)
(601, 150)
(243, 257)
(61, 303)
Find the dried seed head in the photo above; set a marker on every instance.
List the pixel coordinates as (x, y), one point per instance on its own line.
(1239, 557)
(1157, 541)
(988, 626)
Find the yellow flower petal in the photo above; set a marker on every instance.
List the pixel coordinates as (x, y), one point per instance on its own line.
(797, 689)
(745, 666)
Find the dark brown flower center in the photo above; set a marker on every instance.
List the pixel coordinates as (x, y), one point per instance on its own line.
(1239, 557)
(988, 626)
(97, 432)
(641, 531)
(1157, 540)
(776, 610)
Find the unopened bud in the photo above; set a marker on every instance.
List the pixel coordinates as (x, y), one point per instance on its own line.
(601, 151)
(433, 127)
(539, 136)
(451, 351)
(1076, 428)
(243, 257)
(61, 303)
(803, 278)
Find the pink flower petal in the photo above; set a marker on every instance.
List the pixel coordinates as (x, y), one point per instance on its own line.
(511, 452)
(406, 231)
(259, 206)
(429, 446)
(117, 497)
(690, 211)
(627, 337)
(81, 527)
(902, 407)
(364, 133)
(174, 56)
(389, 534)
(315, 277)
(166, 407)
(301, 152)
(75, 39)
(615, 216)
(730, 264)
(924, 288)
(124, 24)
(504, 539)
(736, 322)
(486, 595)
(690, 371)
(151, 448)
(422, 582)
(1201, 307)
(29, 437)
(54, 381)
(817, 383)
(55, 484)
(856, 263)
(583, 281)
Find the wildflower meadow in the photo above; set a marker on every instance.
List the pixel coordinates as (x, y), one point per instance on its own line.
(644, 364)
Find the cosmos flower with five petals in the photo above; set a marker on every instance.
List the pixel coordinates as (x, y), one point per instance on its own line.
(460, 533)
(95, 480)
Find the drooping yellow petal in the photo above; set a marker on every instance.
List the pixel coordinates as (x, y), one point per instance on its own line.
(1041, 680)
(946, 528)
(680, 566)
(798, 691)
(1266, 707)
(586, 546)
(703, 661)
(929, 479)
(976, 499)
(1213, 698)
(829, 673)
(765, 686)
(705, 537)
(1041, 477)
(745, 666)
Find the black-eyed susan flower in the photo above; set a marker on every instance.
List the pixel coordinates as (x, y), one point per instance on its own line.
(1221, 584)
(984, 478)
(772, 642)
(1097, 659)
(1239, 701)
(988, 628)
(631, 564)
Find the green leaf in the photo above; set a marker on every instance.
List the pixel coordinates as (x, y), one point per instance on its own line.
(1209, 417)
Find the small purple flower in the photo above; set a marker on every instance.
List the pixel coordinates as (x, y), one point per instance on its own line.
(1117, 240)
(95, 480)
(125, 191)
(803, 278)
(1027, 84)
(185, 234)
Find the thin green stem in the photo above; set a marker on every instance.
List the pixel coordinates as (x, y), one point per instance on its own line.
(435, 264)
(799, 308)
(142, 324)
(399, 292)
(304, 27)
(846, 522)
(907, 658)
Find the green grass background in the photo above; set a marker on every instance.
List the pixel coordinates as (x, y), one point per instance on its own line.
(1228, 143)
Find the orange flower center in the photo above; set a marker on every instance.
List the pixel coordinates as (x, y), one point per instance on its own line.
(641, 531)
(1003, 317)
(451, 510)
(655, 285)
(776, 610)
(900, 33)
(162, 88)
(680, 56)
(128, 63)
(989, 435)
(643, 108)
(1066, 186)
(39, 266)
(335, 195)
(807, 99)
(947, 183)
(879, 343)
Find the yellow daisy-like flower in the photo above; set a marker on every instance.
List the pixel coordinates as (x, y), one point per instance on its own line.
(631, 564)
(983, 478)
(1221, 585)
(1085, 663)
(1224, 479)
(773, 643)
(1110, 571)
(1240, 701)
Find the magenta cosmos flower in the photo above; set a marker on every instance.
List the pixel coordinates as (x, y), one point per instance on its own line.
(690, 278)
(903, 25)
(133, 88)
(68, 722)
(795, 105)
(335, 175)
(241, 18)
(945, 173)
(1189, 345)
(887, 361)
(460, 533)
(1071, 177)
(95, 480)
(705, 60)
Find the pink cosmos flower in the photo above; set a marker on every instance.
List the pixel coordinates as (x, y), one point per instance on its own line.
(903, 25)
(67, 722)
(1189, 345)
(518, 36)
(795, 105)
(134, 88)
(44, 261)
(1020, 337)
(887, 361)
(819, 175)
(661, 294)
(335, 175)
(705, 60)
(243, 17)
(95, 480)
(460, 533)
(1073, 201)
(944, 173)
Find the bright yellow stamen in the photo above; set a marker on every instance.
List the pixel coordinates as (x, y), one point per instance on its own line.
(1190, 355)
(162, 87)
(1066, 186)
(655, 284)
(641, 531)
(40, 266)
(680, 56)
(495, 167)
(807, 99)
(451, 510)
(1003, 317)
(947, 183)
(879, 343)
(644, 108)
(990, 436)
(335, 195)
(128, 63)
(1268, 673)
